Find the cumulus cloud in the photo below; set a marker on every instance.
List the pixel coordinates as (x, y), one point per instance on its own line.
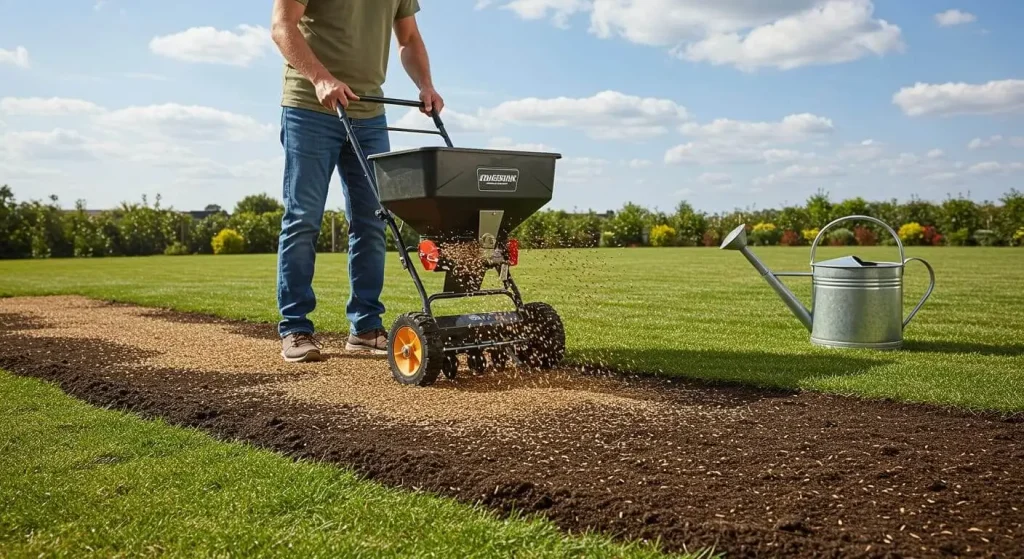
(949, 18)
(504, 143)
(56, 145)
(924, 99)
(793, 128)
(53, 106)
(715, 179)
(830, 33)
(215, 46)
(995, 168)
(783, 34)
(797, 172)
(17, 57)
(185, 122)
(605, 115)
(996, 140)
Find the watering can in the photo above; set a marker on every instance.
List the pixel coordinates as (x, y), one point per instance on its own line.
(854, 303)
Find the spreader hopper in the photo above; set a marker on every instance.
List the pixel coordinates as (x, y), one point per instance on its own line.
(464, 194)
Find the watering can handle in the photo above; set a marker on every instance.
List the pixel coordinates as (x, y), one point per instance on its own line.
(931, 287)
(814, 245)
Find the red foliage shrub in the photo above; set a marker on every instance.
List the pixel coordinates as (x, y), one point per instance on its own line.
(865, 236)
(790, 238)
(932, 236)
(710, 238)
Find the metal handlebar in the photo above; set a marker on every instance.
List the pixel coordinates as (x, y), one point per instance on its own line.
(404, 103)
(814, 245)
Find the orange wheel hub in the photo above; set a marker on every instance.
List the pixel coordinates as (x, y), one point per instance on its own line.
(408, 350)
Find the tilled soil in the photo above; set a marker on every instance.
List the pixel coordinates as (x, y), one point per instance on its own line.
(752, 473)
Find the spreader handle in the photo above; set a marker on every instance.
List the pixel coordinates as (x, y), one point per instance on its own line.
(391, 101)
(405, 103)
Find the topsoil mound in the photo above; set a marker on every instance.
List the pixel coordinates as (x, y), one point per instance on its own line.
(751, 473)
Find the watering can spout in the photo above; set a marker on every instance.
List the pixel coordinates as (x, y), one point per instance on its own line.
(737, 240)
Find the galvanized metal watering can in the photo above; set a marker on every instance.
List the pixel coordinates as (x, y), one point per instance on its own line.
(855, 303)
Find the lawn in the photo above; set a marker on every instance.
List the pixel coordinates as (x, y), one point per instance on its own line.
(78, 481)
(700, 313)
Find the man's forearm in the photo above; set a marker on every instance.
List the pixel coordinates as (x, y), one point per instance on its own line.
(296, 51)
(417, 64)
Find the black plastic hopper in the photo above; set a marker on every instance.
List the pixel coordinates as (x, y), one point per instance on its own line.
(454, 198)
(441, 191)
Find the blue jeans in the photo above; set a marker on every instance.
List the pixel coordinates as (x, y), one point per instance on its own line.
(314, 144)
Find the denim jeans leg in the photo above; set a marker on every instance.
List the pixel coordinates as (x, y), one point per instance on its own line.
(366, 231)
(312, 143)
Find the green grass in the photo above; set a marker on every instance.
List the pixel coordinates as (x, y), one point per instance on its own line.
(78, 481)
(693, 312)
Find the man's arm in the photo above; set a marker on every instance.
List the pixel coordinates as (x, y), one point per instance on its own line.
(414, 58)
(293, 46)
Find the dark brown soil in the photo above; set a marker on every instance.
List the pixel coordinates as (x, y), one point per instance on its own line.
(754, 474)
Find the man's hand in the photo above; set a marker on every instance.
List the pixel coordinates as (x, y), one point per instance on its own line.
(332, 91)
(432, 101)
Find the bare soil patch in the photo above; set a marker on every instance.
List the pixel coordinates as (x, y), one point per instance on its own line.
(752, 473)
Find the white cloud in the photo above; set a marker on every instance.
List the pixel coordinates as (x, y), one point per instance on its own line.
(943, 176)
(17, 57)
(954, 17)
(53, 106)
(947, 99)
(833, 32)
(716, 153)
(995, 167)
(867, 150)
(605, 115)
(481, 4)
(185, 122)
(214, 46)
(559, 10)
(791, 129)
(510, 145)
(748, 34)
(796, 172)
(56, 145)
(993, 141)
(99, 5)
(936, 154)
(639, 163)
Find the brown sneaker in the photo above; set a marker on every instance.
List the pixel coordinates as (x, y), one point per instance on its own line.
(300, 347)
(375, 343)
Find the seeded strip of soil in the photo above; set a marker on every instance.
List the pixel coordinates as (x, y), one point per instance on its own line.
(751, 473)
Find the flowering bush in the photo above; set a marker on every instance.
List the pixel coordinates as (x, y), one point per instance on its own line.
(911, 233)
(810, 234)
(228, 241)
(1018, 237)
(765, 234)
(790, 238)
(710, 238)
(931, 236)
(865, 237)
(662, 236)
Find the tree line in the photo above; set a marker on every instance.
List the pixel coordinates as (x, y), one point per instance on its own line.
(38, 229)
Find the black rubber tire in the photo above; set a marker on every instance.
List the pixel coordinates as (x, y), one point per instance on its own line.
(429, 336)
(545, 337)
(499, 358)
(476, 361)
(450, 367)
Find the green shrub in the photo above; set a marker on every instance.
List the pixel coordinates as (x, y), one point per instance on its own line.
(986, 237)
(841, 237)
(1018, 237)
(958, 238)
(176, 249)
(228, 241)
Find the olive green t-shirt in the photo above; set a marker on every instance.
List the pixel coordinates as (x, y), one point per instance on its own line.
(352, 39)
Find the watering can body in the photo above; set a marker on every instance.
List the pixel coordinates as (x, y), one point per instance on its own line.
(854, 303)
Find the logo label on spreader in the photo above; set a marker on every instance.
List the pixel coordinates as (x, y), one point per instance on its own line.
(497, 180)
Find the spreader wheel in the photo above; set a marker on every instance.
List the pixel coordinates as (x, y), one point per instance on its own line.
(415, 352)
(545, 336)
(450, 367)
(476, 362)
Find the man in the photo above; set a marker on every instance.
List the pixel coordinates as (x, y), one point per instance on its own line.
(336, 50)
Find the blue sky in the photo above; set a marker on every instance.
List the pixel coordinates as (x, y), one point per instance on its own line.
(741, 104)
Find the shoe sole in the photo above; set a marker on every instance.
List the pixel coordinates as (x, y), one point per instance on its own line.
(364, 349)
(307, 358)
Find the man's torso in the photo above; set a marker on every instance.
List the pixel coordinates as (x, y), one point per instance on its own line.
(352, 39)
